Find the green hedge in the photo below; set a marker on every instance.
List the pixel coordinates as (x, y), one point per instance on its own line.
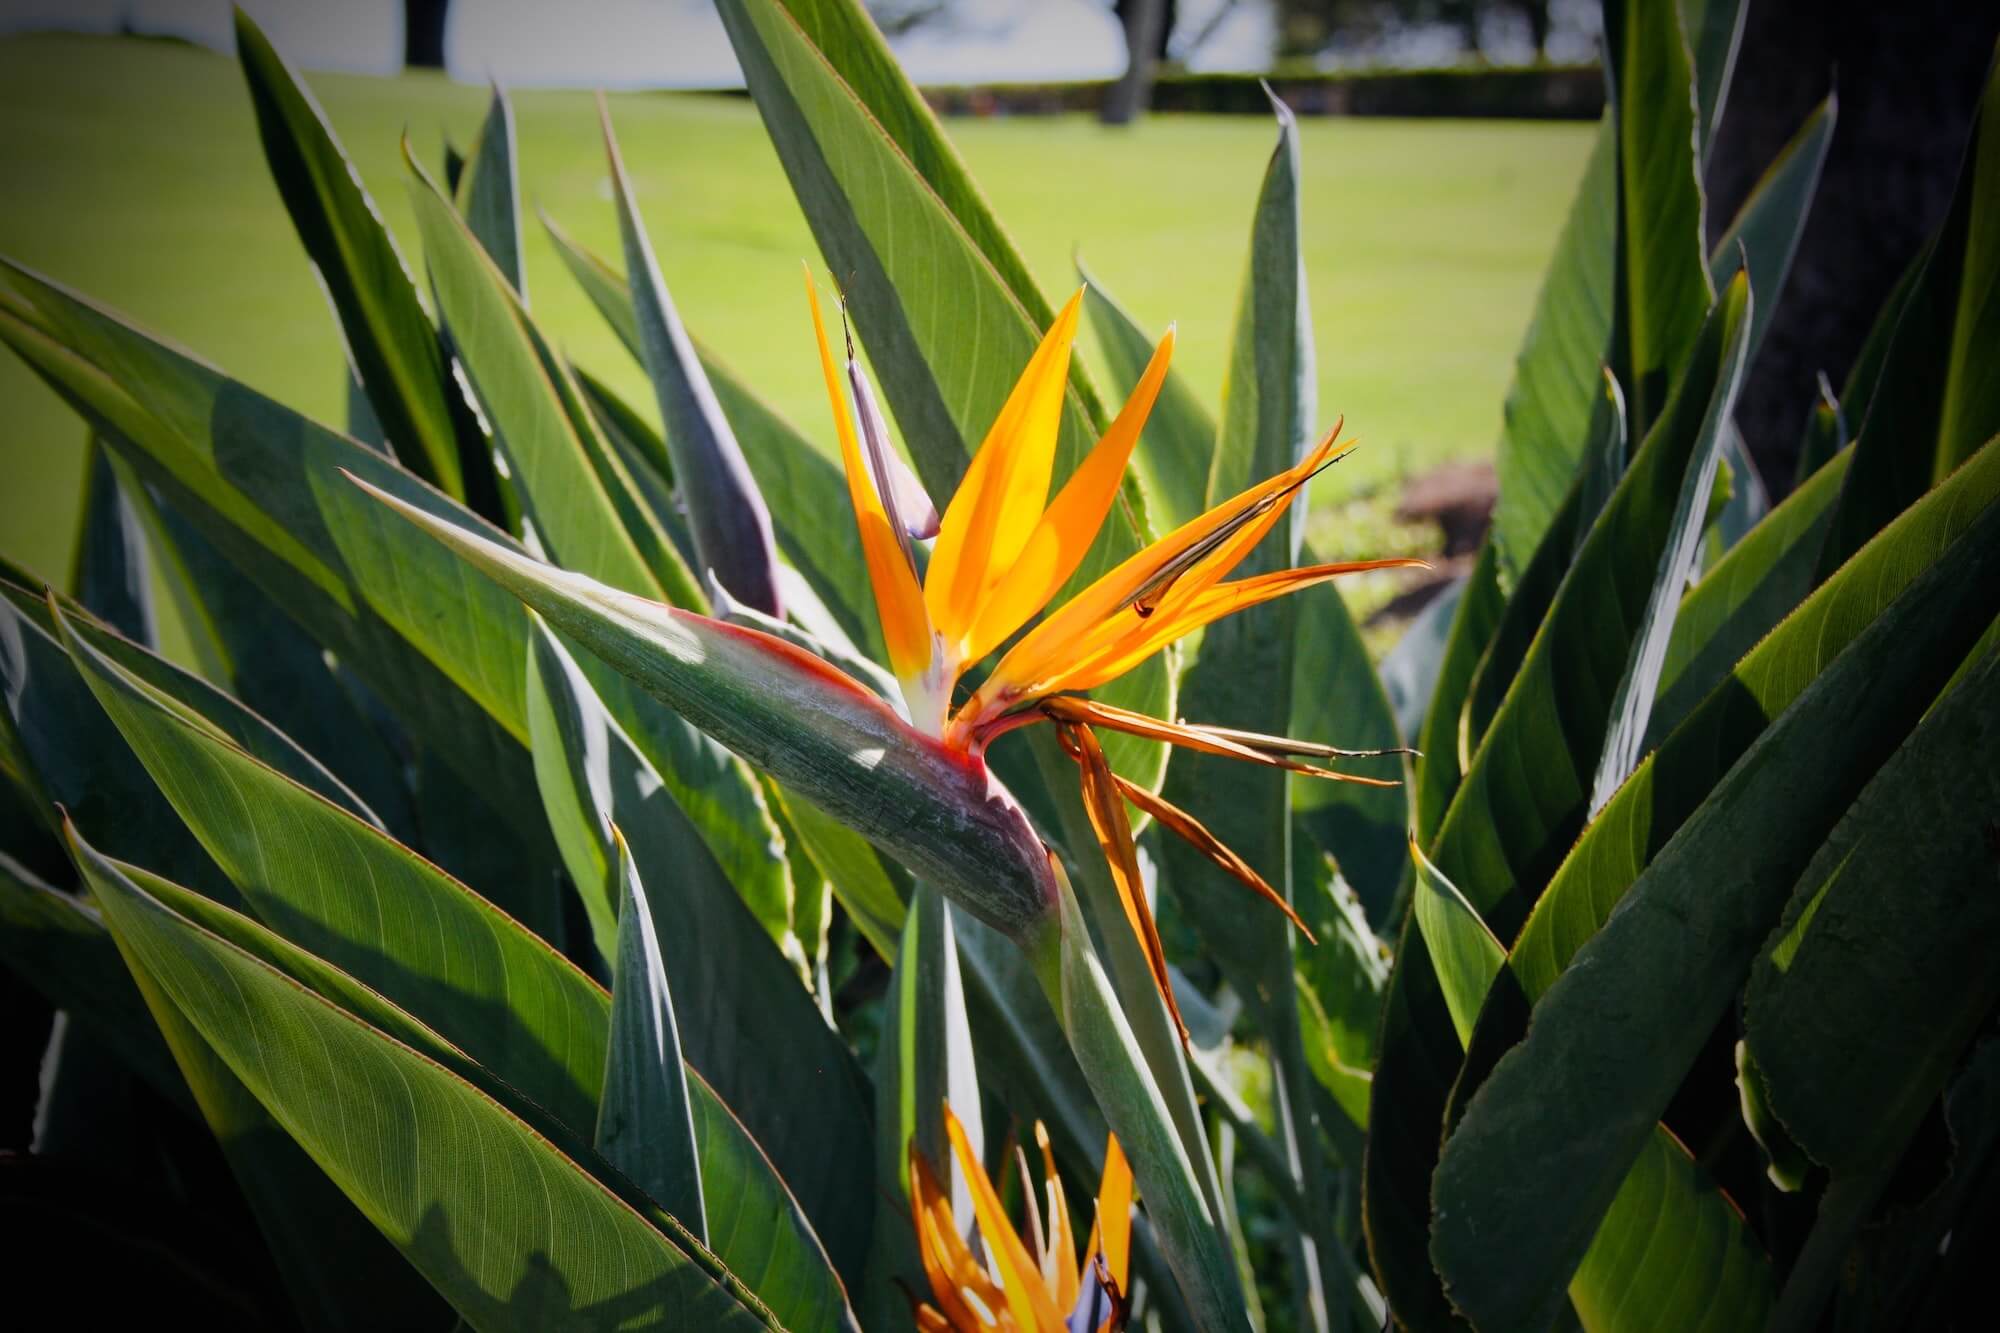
(1555, 92)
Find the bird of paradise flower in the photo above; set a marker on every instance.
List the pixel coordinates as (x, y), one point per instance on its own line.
(1027, 1285)
(1003, 549)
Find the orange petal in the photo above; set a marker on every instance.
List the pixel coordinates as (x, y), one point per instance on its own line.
(1064, 535)
(1114, 835)
(1111, 1233)
(1026, 1299)
(1180, 822)
(1000, 499)
(906, 627)
(1203, 740)
(1103, 610)
(1059, 1262)
(947, 1259)
(1140, 639)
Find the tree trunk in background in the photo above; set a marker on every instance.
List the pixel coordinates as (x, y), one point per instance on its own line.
(1147, 24)
(1909, 76)
(423, 33)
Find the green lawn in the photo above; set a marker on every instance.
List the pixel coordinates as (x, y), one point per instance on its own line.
(132, 171)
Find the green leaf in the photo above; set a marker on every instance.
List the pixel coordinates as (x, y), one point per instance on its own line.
(945, 332)
(1672, 1252)
(1868, 993)
(1667, 1220)
(1767, 227)
(1190, 1232)
(1473, 624)
(445, 651)
(428, 944)
(397, 923)
(1502, 837)
(488, 192)
(731, 526)
(1936, 399)
(1409, 671)
(528, 1240)
(871, 891)
(1461, 947)
(1784, 1165)
(606, 287)
(804, 488)
(1913, 1273)
(571, 741)
(1177, 446)
(1606, 452)
(853, 47)
(1516, 812)
(1747, 592)
(261, 483)
(1663, 285)
(645, 1126)
(737, 997)
(644, 454)
(1632, 703)
(1671, 784)
(574, 490)
(1253, 675)
(113, 575)
(1340, 985)
(1523, 617)
(925, 1061)
(1556, 372)
(1649, 985)
(1824, 437)
(390, 339)
(1714, 31)
(199, 701)
(269, 663)
(341, 1271)
(57, 943)
(65, 753)
(1338, 698)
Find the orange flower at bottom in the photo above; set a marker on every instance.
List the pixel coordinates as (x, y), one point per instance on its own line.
(1027, 1286)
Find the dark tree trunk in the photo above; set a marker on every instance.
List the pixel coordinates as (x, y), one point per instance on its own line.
(1909, 77)
(423, 33)
(1147, 25)
(1537, 13)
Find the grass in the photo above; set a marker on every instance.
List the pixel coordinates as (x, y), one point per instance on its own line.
(134, 173)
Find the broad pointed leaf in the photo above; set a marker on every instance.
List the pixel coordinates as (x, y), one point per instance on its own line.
(1636, 1015)
(731, 526)
(1858, 1010)
(394, 348)
(804, 488)
(645, 1125)
(1503, 835)
(1178, 445)
(564, 1250)
(113, 574)
(56, 942)
(1556, 377)
(488, 192)
(737, 997)
(1247, 675)
(574, 490)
